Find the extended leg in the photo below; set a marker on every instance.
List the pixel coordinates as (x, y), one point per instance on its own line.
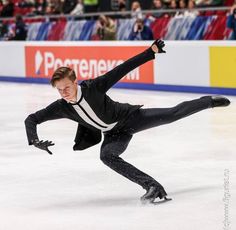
(149, 118)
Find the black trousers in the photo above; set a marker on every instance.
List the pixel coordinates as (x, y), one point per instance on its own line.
(116, 141)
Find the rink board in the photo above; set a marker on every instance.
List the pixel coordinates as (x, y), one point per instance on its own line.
(194, 66)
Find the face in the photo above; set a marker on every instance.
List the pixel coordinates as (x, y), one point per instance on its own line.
(173, 4)
(191, 4)
(157, 3)
(181, 4)
(67, 89)
(135, 5)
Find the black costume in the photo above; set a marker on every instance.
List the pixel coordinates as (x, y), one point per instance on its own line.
(96, 113)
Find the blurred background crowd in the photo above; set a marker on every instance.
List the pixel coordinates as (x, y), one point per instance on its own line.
(27, 19)
(9, 8)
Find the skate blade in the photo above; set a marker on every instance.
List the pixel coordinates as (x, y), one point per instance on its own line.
(166, 199)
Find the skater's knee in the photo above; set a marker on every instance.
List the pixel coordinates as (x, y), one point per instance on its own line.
(106, 156)
(177, 112)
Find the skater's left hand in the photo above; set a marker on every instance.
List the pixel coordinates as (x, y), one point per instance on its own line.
(157, 46)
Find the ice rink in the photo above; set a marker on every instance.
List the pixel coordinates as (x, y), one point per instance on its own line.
(193, 158)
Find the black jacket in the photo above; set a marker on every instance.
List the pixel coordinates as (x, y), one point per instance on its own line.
(95, 112)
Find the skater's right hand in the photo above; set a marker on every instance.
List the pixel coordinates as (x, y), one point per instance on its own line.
(43, 145)
(157, 46)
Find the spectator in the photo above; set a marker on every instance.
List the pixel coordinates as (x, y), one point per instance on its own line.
(40, 7)
(157, 5)
(91, 6)
(3, 31)
(106, 29)
(1, 6)
(7, 9)
(191, 11)
(173, 6)
(56, 6)
(122, 8)
(231, 21)
(26, 3)
(49, 5)
(136, 11)
(182, 7)
(20, 31)
(79, 8)
(141, 31)
(68, 6)
(182, 4)
(122, 5)
(202, 3)
(166, 2)
(25, 7)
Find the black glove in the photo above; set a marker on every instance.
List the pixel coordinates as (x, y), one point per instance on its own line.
(160, 45)
(43, 145)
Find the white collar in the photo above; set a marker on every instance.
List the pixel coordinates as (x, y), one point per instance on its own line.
(79, 95)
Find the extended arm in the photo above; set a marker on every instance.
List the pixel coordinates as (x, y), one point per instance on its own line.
(106, 81)
(51, 112)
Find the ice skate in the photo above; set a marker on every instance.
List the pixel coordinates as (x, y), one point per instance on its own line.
(152, 193)
(219, 101)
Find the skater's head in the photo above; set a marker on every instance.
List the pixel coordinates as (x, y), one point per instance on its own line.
(65, 81)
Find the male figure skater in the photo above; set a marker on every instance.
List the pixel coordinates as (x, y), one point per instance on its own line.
(96, 113)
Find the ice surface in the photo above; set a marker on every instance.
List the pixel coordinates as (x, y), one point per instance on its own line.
(74, 190)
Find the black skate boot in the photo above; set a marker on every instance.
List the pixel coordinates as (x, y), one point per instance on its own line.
(219, 101)
(152, 193)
